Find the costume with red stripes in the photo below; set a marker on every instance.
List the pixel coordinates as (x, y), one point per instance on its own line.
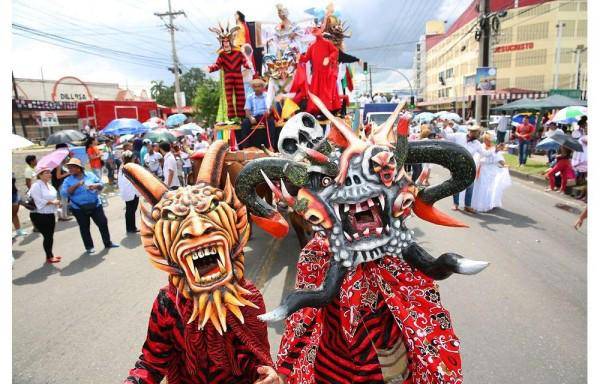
(231, 63)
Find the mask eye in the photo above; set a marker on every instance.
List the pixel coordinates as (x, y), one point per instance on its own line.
(213, 205)
(168, 215)
(326, 181)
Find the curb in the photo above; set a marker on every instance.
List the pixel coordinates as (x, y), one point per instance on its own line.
(524, 176)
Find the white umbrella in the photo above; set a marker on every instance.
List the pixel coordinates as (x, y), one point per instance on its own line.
(17, 141)
(151, 124)
(450, 116)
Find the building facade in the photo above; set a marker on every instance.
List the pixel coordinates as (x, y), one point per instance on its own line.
(35, 96)
(524, 51)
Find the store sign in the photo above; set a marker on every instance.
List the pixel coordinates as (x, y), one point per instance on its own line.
(48, 119)
(514, 47)
(72, 97)
(72, 89)
(485, 80)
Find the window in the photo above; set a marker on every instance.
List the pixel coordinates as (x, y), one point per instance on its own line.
(503, 60)
(583, 5)
(568, 30)
(530, 82)
(503, 83)
(533, 57)
(568, 6)
(566, 56)
(505, 36)
(581, 28)
(535, 31)
(449, 73)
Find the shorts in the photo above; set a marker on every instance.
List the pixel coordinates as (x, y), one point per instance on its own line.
(15, 198)
(187, 170)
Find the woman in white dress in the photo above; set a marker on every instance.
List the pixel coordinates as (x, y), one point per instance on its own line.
(492, 178)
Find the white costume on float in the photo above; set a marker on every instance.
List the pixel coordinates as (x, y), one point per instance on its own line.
(493, 180)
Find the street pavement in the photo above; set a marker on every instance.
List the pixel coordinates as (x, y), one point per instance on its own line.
(522, 320)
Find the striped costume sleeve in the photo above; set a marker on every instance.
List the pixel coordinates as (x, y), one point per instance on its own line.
(152, 364)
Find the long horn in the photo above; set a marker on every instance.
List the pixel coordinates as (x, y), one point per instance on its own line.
(449, 155)
(212, 164)
(401, 149)
(443, 266)
(252, 175)
(380, 134)
(151, 188)
(313, 298)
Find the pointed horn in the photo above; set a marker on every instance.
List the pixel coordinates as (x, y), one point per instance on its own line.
(212, 164)
(441, 267)
(151, 188)
(338, 123)
(380, 135)
(429, 213)
(313, 298)
(289, 199)
(272, 186)
(228, 191)
(315, 156)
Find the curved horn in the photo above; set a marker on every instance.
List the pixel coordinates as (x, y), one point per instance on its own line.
(443, 266)
(252, 175)
(313, 298)
(212, 164)
(449, 155)
(150, 187)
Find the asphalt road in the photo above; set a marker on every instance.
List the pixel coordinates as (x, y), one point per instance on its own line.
(523, 320)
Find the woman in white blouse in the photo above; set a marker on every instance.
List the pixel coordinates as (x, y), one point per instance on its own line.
(129, 195)
(46, 202)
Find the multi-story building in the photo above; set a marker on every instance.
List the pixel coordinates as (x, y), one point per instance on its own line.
(524, 51)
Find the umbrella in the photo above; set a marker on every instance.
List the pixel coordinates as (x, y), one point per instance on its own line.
(17, 141)
(569, 115)
(189, 129)
(151, 125)
(520, 117)
(449, 116)
(53, 159)
(65, 136)
(156, 121)
(567, 141)
(547, 144)
(120, 127)
(125, 138)
(176, 119)
(424, 117)
(438, 114)
(159, 135)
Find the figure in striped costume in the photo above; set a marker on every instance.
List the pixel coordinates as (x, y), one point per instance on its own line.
(230, 61)
(203, 327)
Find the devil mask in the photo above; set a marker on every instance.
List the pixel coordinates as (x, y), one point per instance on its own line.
(356, 193)
(197, 234)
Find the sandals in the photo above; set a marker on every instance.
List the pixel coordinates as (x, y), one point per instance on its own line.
(52, 260)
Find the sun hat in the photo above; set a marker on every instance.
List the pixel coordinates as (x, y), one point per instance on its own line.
(75, 161)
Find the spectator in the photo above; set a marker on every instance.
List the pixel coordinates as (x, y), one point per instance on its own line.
(15, 209)
(201, 142)
(83, 190)
(58, 176)
(579, 160)
(187, 163)
(470, 141)
(92, 131)
(176, 150)
(138, 143)
(129, 195)
(109, 162)
(169, 165)
(502, 128)
(564, 169)
(524, 133)
(552, 130)
(46, 202)
(147, 144)
(153, 161)
(29, 172)
(94, 154)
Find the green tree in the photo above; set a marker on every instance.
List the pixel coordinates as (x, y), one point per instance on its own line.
(188, 83)
(162, 94)
(206, 101)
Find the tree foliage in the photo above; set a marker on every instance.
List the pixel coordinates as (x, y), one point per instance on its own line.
(206, 102)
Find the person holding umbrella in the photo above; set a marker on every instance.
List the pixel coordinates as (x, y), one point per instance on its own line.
(563, 168)
(83, 190)
(44, 196)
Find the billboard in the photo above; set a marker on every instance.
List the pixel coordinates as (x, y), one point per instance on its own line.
(485, 80)
(48, 119)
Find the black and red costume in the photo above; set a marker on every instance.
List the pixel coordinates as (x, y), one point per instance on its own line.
(231, 63)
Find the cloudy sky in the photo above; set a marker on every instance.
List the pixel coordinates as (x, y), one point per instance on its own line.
(131, 46)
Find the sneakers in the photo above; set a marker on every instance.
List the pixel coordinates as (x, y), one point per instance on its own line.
(112, 245)
(21, 232)
(90, 251)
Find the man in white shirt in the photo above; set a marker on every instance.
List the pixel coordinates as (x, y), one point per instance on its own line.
(471, 142)
(169, 166)
(503, 125)
(129, 195)
(152, 160)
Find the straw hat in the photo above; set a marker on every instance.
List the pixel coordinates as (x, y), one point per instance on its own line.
(257, 81)
(75, 161)
(474, 128)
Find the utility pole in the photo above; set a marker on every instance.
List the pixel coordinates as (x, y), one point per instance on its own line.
(17, 107)
(370, 82)
(482, 101)
(578, 51)
(559, 26)
(172, 29)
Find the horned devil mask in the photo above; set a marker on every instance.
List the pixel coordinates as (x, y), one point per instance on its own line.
(197, 235)
(359, 197)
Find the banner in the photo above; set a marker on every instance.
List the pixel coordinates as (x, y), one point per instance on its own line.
(485, 81)
(48, 119)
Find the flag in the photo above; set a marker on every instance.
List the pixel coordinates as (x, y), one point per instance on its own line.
(289, 108)
(347, 81)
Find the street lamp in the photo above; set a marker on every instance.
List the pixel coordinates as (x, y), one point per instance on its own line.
(412, 94)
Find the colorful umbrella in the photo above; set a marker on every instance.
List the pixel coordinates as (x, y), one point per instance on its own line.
(176, 119)
(64, 136)
(119, 127)
(53, 159)
(156, 121)
(520, 117)
(569, 115)
(159, 135)
(17, 141)
(189, 129)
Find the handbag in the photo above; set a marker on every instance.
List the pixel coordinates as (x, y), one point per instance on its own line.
(28, 203)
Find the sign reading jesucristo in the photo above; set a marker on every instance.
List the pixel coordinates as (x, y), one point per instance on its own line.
(514, 47)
